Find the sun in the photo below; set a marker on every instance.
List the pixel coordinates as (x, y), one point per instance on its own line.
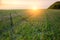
(34, 8)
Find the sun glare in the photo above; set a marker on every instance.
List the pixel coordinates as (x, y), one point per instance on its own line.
(34, 8)
(34, 11)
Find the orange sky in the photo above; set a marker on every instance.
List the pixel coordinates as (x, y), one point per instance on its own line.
(23, 4)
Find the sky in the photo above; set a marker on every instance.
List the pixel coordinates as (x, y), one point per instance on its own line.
(25, 4)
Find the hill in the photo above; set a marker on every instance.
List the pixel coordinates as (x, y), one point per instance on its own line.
(56, 5)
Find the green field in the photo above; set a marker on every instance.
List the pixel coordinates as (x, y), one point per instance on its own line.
(45, 26)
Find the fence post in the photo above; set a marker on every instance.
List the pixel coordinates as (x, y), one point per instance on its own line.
(11, 30)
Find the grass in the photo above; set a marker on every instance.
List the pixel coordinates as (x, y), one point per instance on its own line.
(45, 26)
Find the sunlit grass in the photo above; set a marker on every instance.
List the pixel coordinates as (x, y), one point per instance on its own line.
(35, 12)
(46, 27)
